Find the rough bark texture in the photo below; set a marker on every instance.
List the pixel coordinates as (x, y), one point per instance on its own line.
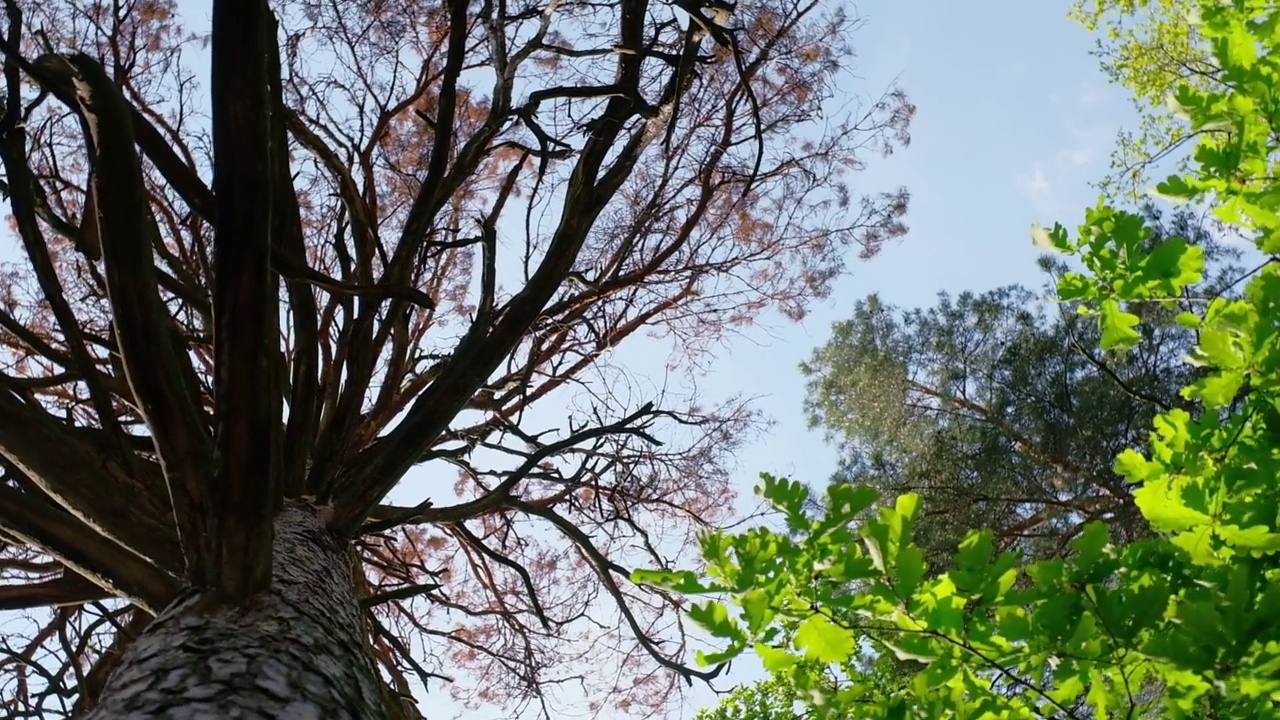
(294, 653)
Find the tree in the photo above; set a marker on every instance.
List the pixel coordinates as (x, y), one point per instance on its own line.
(1000, 412)
(1185, 624)
(382, 244)
(769, 699)
(1148, 47)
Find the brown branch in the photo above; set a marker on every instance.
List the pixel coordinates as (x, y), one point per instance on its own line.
(126, 507)
(1107, 370)
(439, 183)
(400, 593)
(527, 580)
(68, 589)
(386, 517)
(288, 240)
(96, 679)
(23, 191)
(362, 224)
(34, 342)
(604, 570)
(370, 475)
(158, 370)
(172, 168)
(79, 548)
(293, 268)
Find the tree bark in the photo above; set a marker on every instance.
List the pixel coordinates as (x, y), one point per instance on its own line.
(293, 653)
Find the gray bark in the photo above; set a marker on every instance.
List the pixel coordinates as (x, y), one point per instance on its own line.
(295, 653)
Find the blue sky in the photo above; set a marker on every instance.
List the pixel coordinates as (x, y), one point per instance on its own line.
(1014, 121)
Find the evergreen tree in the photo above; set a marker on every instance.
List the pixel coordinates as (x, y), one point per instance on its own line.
(998, 408)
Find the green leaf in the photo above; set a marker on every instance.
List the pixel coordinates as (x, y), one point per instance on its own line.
(1202, 621)
(1218, 389)
(823, 640)
(1098, 695)
(909, 570)
(1054, 240)
(1257, 539)
(681, 581)
(706, 659)
(1068, 690)
(1237, 47)
(976, 549)
(845, 502)
(906, 648)
(775, 659)
(756, 610)
(715, 618)
(1198, 544)
(1187, 320)
(788, 496)
(1074, 286)
(1175, 262)
(907, 505)
(1175, 189)
(1013, 623)
(1057, 616)
(875, 537)
(1134, 467)
(1162, 504)
(1182, 103)
(1090, 548)
(1190, 617)
(1177, 648)
(1117, 327)
(1218, 347)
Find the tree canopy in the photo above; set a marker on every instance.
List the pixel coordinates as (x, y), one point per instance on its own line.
(1147, 47)
(999, 409)
(1182, 624)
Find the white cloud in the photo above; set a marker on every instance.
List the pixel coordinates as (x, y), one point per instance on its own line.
(1091, 94)
(1084, 148)
(1054, 182)
(1035, 186)
(1078, 157)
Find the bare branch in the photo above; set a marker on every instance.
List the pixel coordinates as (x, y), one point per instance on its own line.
(123, 507)
(67, 589)
(79, 548)
(159, 374)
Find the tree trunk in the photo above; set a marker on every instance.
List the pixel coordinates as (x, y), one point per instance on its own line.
(295, 653)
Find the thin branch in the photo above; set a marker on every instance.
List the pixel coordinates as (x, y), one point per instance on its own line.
(363, 481)
(400, 593)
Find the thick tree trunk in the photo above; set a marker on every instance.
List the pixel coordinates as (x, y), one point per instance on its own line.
(295, 653)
